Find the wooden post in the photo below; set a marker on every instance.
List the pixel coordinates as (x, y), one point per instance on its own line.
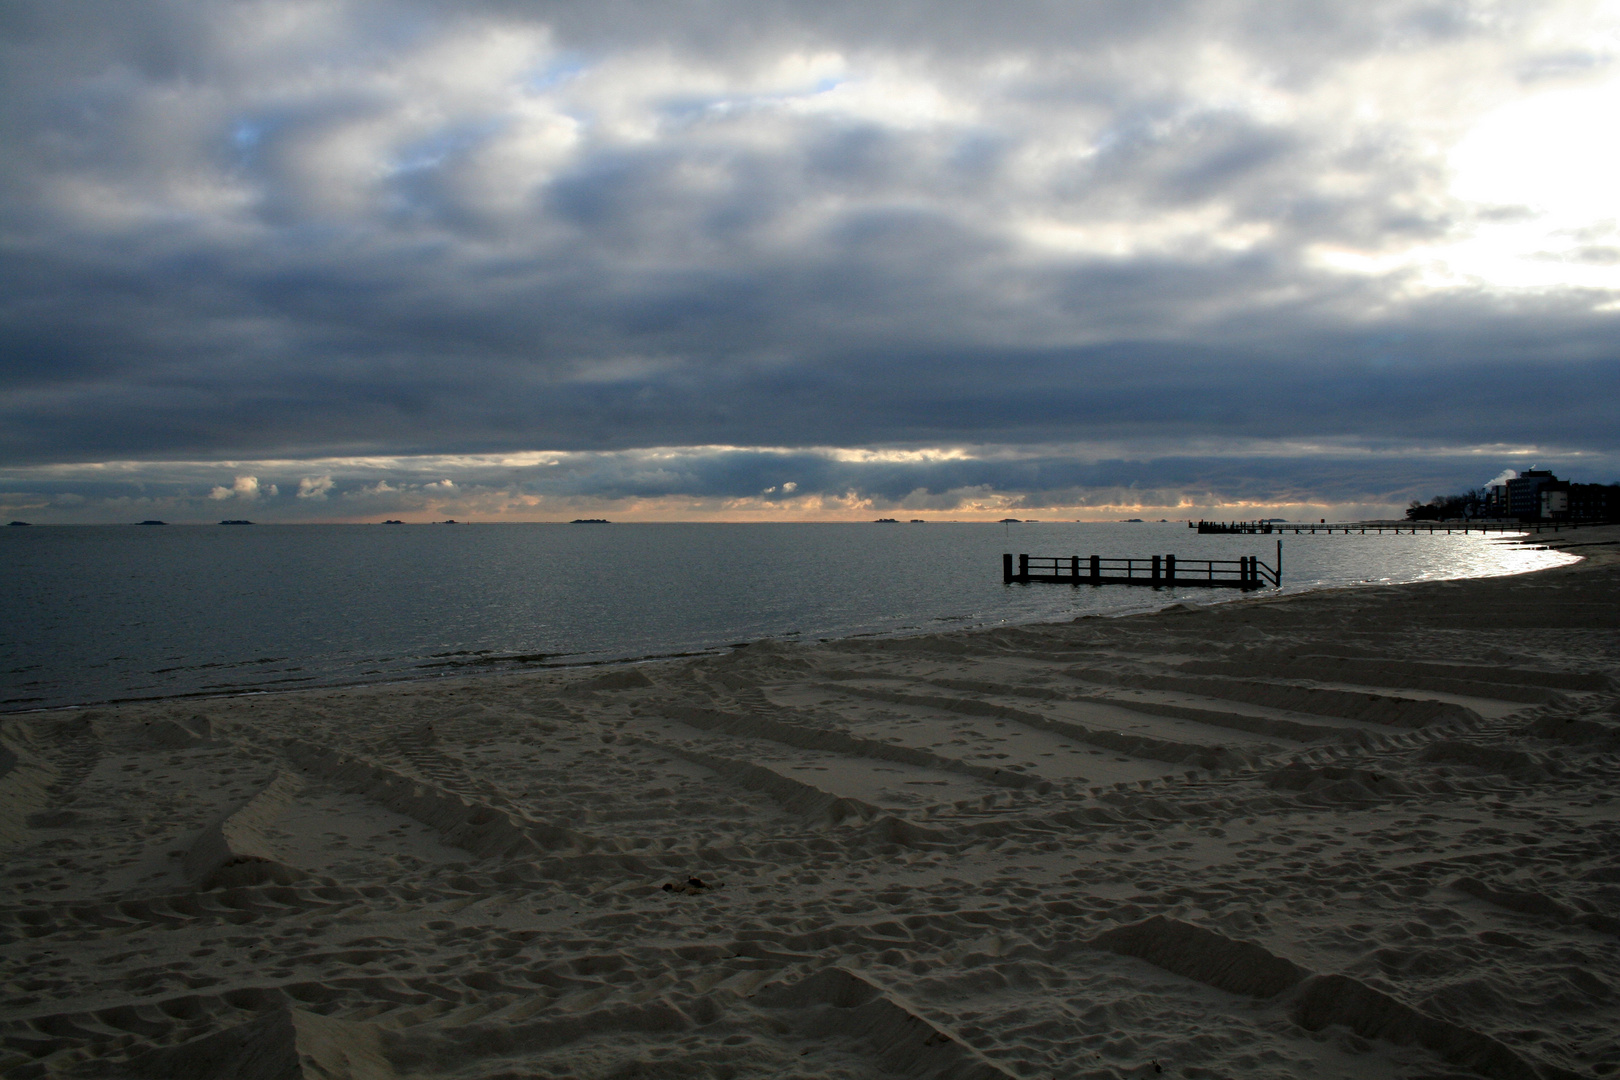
(1155, 569)
(1006, 569)
(1096, 570)
(1278, 574)
(1169, 568)
(1023, 568)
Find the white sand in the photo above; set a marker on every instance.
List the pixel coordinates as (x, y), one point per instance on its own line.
(1370, 833)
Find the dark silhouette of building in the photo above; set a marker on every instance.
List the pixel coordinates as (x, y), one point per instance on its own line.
(1561, 500)
(1524, 493)
(1537, 495)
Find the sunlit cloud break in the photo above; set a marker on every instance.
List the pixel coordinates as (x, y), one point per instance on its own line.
(769, 483)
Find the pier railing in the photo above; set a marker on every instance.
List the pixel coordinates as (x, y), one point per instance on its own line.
(1246, 572)
(1380, 527)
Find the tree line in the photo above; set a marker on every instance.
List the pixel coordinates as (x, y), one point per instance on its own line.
(1444, 507)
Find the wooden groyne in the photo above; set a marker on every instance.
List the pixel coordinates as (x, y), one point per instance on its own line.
(1156, 571)
(1267, 528)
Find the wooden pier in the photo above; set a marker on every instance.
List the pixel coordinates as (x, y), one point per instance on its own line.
(1267, 528)
(1156, 571)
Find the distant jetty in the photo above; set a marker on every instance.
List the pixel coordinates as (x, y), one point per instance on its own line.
(1362, 528)
(590, 521)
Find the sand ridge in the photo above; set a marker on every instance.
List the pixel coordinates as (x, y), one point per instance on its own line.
(1366, 833)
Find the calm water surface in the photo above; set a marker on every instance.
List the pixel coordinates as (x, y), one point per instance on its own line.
(97, 613)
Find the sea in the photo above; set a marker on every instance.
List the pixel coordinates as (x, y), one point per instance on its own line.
(92, 614)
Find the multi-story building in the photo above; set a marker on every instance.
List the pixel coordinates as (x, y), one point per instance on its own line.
(1555, 500)
(1524, 493)
(1593, 502)
(1538, 495)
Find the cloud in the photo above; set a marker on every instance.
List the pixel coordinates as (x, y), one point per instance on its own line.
(245, 487)
(1200, 234)
(314, 487)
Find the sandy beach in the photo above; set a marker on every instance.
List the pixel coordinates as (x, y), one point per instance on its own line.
(1365, 833)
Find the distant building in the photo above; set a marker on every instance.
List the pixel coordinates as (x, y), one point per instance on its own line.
(1555, 500)
(1524, 493)
(1537, 495)
(1594, 502)
(1564, 501)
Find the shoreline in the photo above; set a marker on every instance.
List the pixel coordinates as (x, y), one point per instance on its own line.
(1361, 832)
(1528, 540)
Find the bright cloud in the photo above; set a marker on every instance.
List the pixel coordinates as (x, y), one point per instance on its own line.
(314, 487)
(245, 487)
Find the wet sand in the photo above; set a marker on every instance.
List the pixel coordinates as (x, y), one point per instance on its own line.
(1366, 833)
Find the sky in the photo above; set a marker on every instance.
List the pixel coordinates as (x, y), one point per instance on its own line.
(348, 261)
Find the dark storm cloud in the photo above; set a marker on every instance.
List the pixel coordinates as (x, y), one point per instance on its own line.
(279, 231)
